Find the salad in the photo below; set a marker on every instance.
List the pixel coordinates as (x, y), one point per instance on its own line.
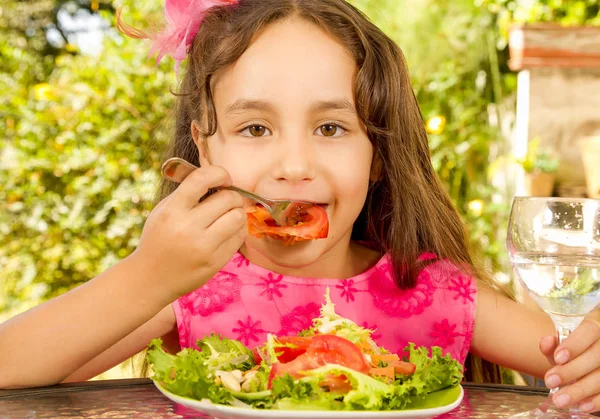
(334, 365)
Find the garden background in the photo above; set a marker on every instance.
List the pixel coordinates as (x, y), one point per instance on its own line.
(84, 117)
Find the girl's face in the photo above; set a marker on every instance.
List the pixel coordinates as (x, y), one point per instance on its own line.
(288, 129)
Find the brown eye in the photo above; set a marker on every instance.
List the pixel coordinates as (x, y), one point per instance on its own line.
(329, 130)
(257, 130)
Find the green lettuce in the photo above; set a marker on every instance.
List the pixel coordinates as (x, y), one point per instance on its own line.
(191, 373)
(332, 323)
(225, 354)
(185, 374)
(303, 394)
(435, 372)
(367, 393)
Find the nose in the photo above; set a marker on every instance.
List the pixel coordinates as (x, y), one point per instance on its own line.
(296, 160)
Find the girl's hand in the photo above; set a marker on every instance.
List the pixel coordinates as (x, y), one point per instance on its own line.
(578, 358)
(184, 243)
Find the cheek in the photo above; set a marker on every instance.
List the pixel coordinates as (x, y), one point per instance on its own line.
(350, 172)
(242, 166)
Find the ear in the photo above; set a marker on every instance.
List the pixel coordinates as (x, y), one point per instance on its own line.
(376, 168)
(200, 143)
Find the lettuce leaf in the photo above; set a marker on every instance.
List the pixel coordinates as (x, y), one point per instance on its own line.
(303, 394)
(185, 374)
(225, 354)
(332, 323)
(191, 373)
(436, 372)
(368, 393)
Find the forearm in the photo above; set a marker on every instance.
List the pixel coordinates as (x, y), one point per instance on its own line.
(46, 344)
(508, 333)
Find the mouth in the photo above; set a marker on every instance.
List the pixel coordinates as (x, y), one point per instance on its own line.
(304, 201)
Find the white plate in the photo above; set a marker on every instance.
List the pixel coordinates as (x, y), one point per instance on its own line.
(229, 412)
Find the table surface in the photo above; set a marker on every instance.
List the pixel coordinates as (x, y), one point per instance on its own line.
(139, 398)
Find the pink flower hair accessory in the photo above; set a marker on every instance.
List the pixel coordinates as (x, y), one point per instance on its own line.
(183, 19)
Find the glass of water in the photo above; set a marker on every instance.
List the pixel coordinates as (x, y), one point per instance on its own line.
(554, 248)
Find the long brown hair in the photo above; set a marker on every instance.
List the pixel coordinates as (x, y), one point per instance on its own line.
(407, 211)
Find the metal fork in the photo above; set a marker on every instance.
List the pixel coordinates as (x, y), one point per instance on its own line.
(283, 212)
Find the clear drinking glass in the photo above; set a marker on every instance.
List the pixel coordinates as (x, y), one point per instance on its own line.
(554, 248)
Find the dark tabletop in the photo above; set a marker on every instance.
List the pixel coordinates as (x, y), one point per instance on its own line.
(138, 398)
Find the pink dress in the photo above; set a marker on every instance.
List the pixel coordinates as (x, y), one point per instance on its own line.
(246, 302)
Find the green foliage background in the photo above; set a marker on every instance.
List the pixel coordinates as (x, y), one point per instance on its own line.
(81, 135)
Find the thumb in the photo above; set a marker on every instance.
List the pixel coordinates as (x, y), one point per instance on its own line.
(547, 346)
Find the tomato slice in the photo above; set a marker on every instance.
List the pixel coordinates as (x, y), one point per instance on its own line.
(331, 349)
(297, 346)
(323, 349)
(312, 224)
(256, 356)
(294, 368)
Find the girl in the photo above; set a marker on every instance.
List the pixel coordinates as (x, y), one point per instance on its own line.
(306, 100)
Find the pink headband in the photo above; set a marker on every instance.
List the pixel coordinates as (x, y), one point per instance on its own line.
(183, 19)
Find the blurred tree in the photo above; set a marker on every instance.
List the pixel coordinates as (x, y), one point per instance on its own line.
(81, 137)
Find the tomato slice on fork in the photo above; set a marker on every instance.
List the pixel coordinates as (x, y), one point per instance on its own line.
(312, 224)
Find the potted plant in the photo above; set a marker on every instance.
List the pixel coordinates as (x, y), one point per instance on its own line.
(540, 170)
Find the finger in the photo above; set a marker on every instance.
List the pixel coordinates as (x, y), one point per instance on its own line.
(547, 346)
(578, 367)
(233, 243)
(590, 405)
(585, 388)
(578, 341)
(228, 224)
(216, 205)
(163, 202)
(197, 184)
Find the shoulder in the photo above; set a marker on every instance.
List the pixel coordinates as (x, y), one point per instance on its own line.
(445, 270)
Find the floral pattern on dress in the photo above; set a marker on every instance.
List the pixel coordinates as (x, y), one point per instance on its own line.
(395, 302)
(271, 286)
(183, 330)
(463, 288)
(444, 333)
(299, 319)
(249, 330)
(214, 297)
(347, 289)
(246, 302)
(240, 260)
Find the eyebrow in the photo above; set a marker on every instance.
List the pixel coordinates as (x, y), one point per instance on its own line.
(249, 104)
(318, 107)
(334, 105)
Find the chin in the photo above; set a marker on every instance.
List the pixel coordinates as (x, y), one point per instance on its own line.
(294, 256)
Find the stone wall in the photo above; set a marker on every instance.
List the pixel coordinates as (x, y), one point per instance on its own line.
(558, 96)
(562, 108)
